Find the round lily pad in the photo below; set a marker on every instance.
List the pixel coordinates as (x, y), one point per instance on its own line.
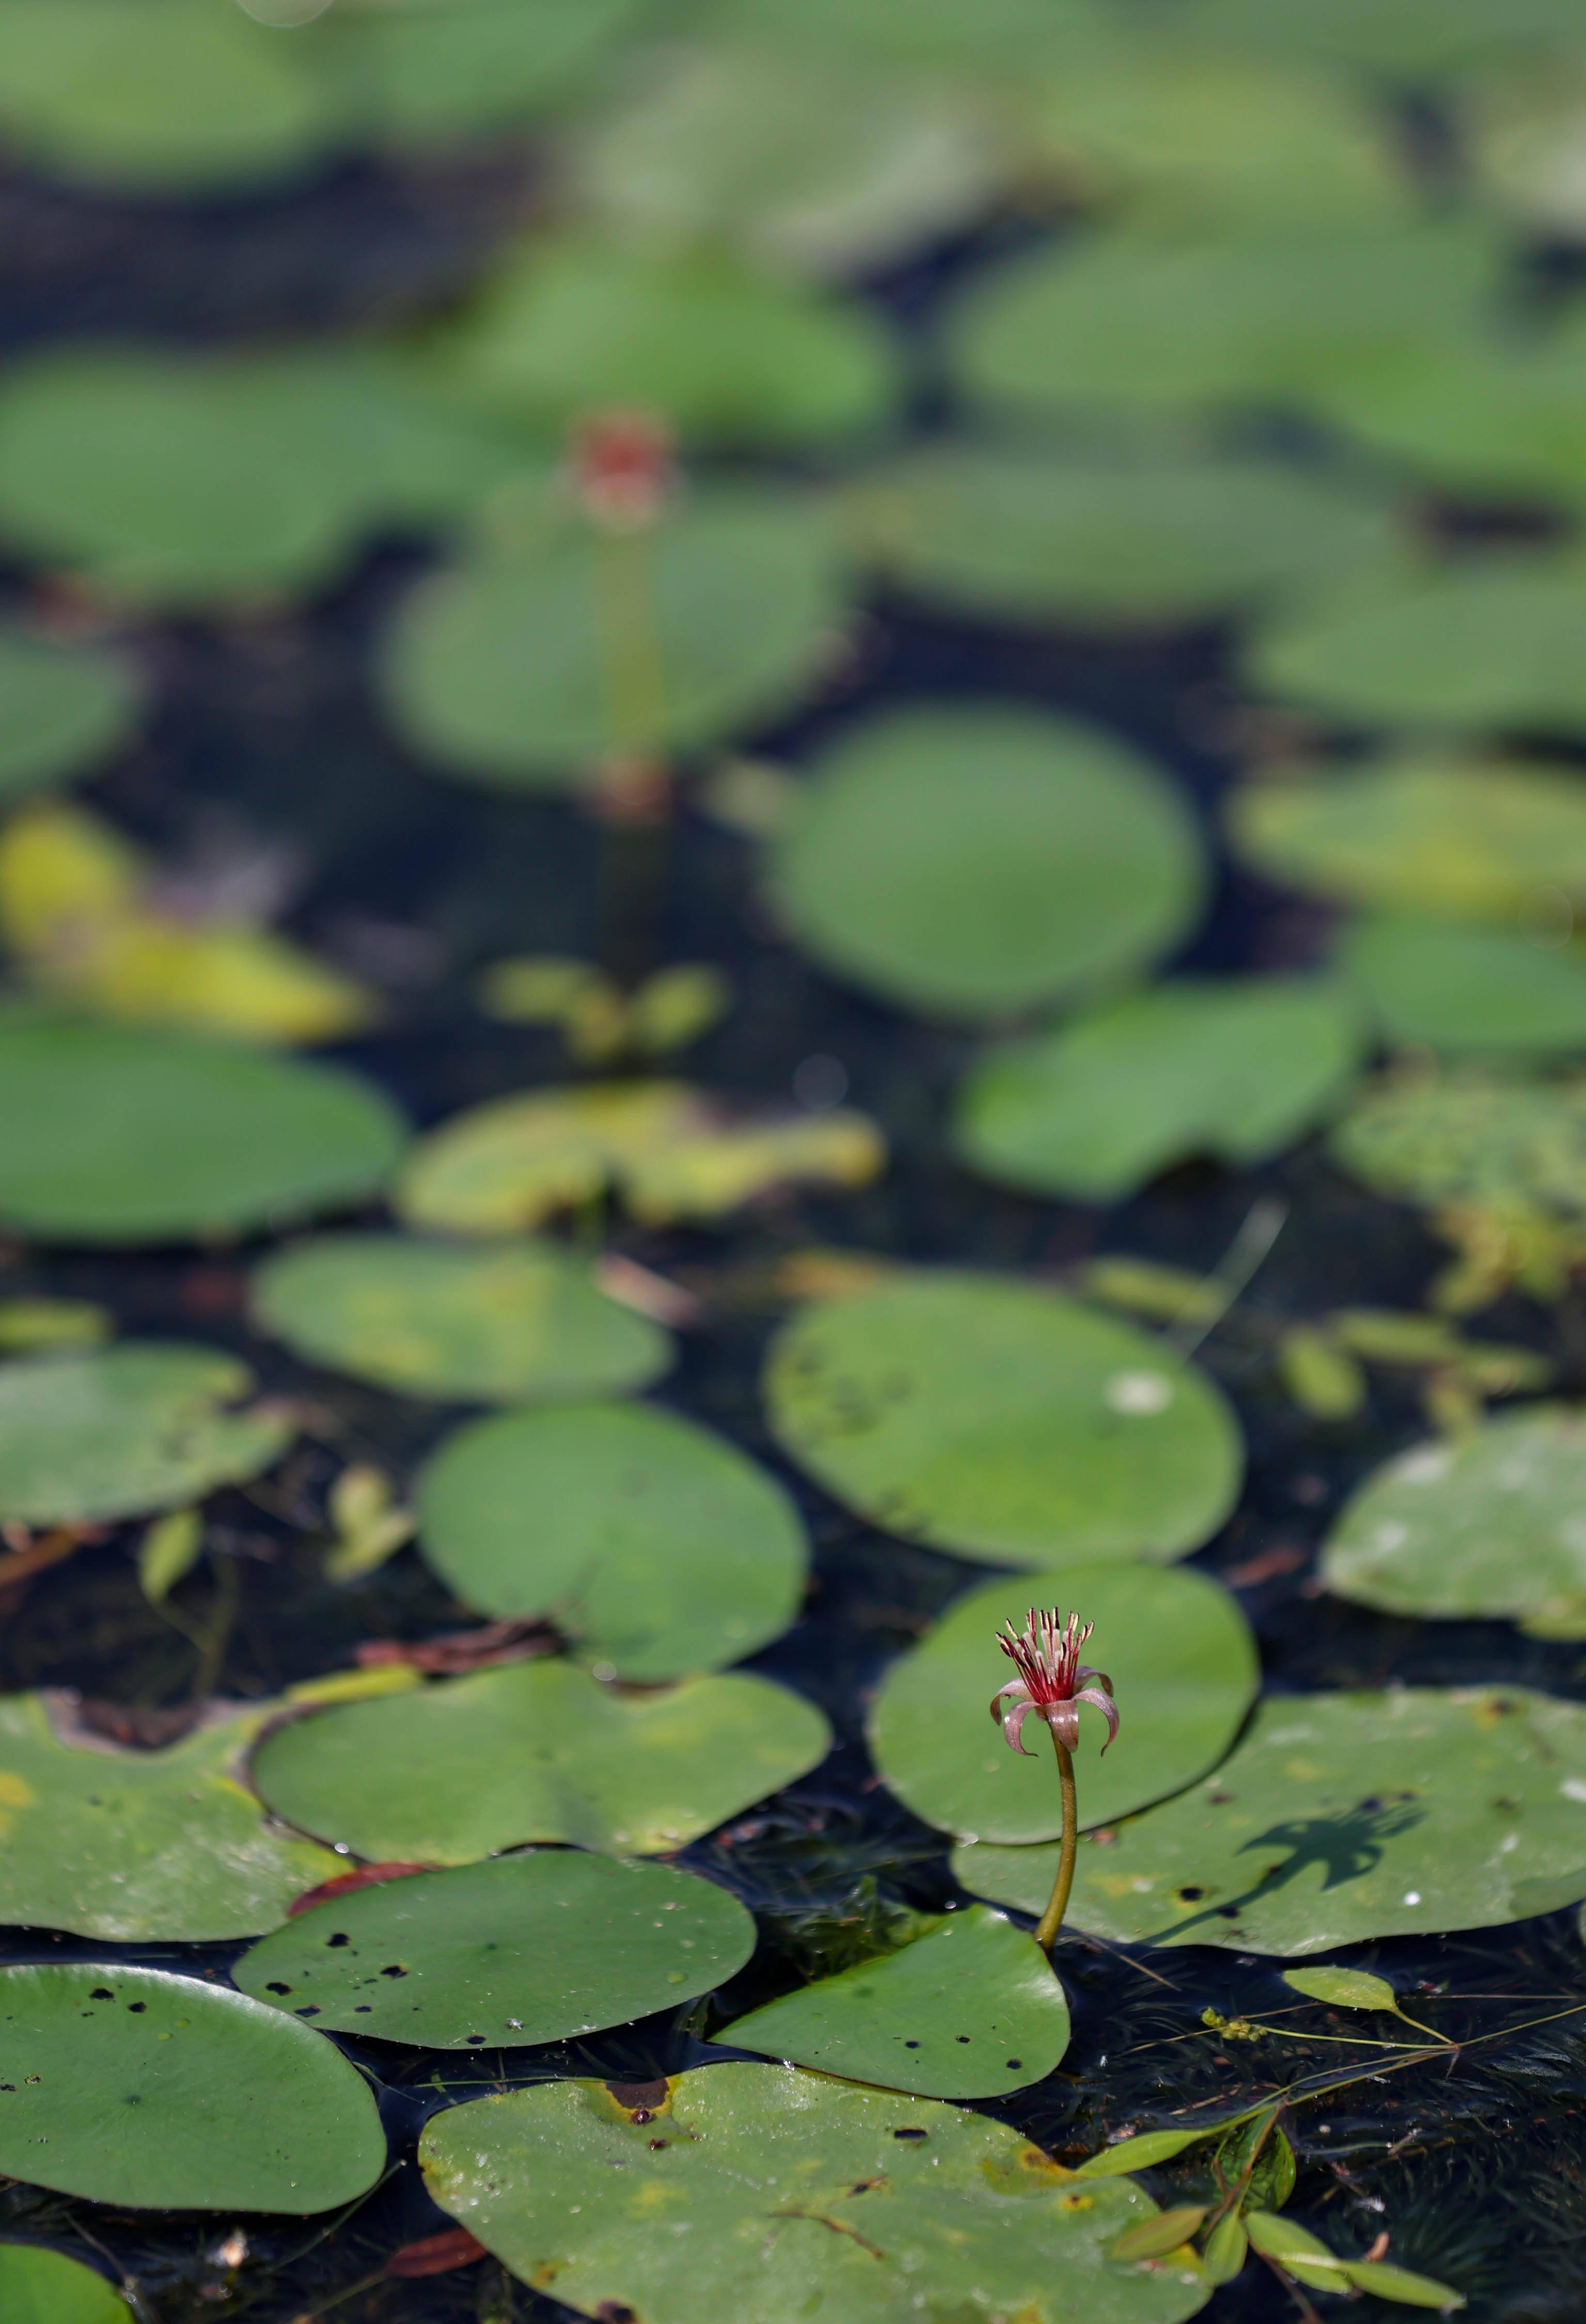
(786, 2194)
(1340, 1817)
(1466, 839)
(656, 1548)
(39, 2286)
(62, 709)
(1493, 641)
(728, 352)
(1131, 320)
(1240, 1069)
(131, 2086)
(119, 1432)
(1177, 1650)
(1462, 989)
(1489, 1524)
(501, 668)
(1463, 1135)
(984, 1415)
(140, 1846)
(453, 1320)
(967, 2010)
(1107, 536)
(974, 861)
(531, 1948)
(114, 1134)
(536, 1751)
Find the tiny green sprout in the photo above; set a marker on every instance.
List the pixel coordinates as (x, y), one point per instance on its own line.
(1045, 1656)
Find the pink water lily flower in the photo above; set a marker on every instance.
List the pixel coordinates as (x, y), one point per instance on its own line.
(1046, 1658)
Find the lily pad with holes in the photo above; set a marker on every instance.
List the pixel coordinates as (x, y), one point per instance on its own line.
(1107, 536)
(1177, 1650)
(62, 709)
(87, 1438)
(971, 862)
(785, 2194)
(1339, 1817)
(533, 1948)
(1465, 1135)
(536, 1751)
(111, 1134)
(983, 1415)
(1461, 991)
(40, 2286)
(968, 2010)
(1489, 1524)
(431, 1318)
(501, 668)
(132, 2086)
(1239, 1068)
(656, 1548)
(140, 1846)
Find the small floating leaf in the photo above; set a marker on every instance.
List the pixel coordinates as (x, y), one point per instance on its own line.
(39, 2286)
(1155, 2238)
(1344, 1988)
(1286, 2241)
(371, 1525)
(168, 1550)
(1321, 1375)
(1226, 2249)
(35, 1326)
(1385, 2282)
(1142, 2153)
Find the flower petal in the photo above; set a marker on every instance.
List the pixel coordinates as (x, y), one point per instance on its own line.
(1013, 1729)
(1014, 1687)
(1105, 1705)
(1063, 1719)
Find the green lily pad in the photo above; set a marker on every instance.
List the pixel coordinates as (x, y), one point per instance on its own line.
(968, 2010)
(1177, 1648)
(1467, 1136)
(929, 32)
(536, 1751)
(440, 73)
(1408, 39)
(62, 709)
(1521, 123)
(132, 2086)
(432, 1318)
(1340, 1817)
(1462, 989)
(114, 1134)
(1481, 839)
(531, 1948)
(984, 1415)
(1136, 321)
(787, 2195)
(1493, 641)
(819, 165)
(974, 861)
(1108, 535)
(499, 667)
(119, 1431)
(1240, 1069)
(728, 352)
(1489, 1524)
(656, 1548)
(140, 1846)
(38, 2286)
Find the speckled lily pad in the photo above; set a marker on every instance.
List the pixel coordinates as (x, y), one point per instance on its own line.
(1468, 1136)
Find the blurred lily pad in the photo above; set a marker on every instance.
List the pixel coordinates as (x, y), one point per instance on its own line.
(1002, 32)
(220, 2103)
(520, 1949)
(140, 1846)
(665, 1146)
(536, 1751)
(1490, 642)
(1405, 38)
(119, 1431)
(1488, 1525)
(656, 1548)
(1477, 839)
(62, 709)
(1462, 990)
(1239, 1068)
(498, 667)
(1463, 1135)
(1134, 320)
(971, 862)
(984, 1415)
(1340, 1817)
(440, 72)
(115, 1134)
(967, 2205)
(1523, 123)
(821, 165)
(432, 1318)
(972, 1983)
(1177, 1648)
(40, 2286)
(727, 351)
(1108, 535)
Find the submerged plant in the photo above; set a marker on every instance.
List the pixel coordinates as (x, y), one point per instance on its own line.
(1046, 1658)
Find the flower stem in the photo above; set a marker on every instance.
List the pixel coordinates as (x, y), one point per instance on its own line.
(1051, 1920)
